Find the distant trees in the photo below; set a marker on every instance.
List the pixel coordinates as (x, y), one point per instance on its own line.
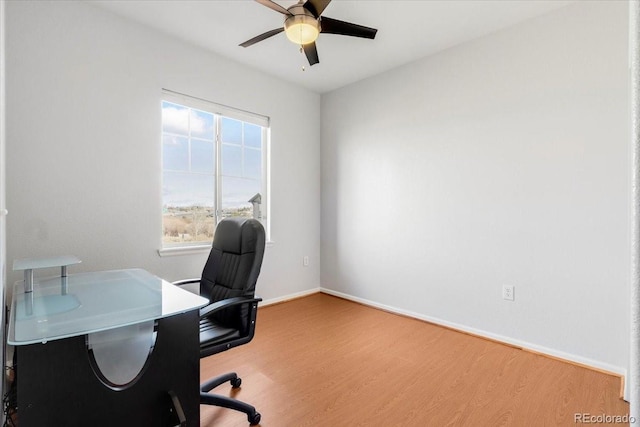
(188, 224)
(194, 223)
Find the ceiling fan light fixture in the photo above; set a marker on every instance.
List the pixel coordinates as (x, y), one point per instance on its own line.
(301, 29)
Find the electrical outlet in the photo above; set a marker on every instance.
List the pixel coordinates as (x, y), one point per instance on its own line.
(508, 292)
(305, 261)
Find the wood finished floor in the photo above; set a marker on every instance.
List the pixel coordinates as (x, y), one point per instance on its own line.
(324, 361)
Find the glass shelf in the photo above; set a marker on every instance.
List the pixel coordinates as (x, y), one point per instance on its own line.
(30, 264)
(36, 263)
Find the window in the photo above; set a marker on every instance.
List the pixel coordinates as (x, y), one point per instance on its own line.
(214, 165)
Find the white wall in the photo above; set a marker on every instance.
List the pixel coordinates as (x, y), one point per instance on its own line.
(503, 161)
(632, 385)
(83, 143)
(3, 235)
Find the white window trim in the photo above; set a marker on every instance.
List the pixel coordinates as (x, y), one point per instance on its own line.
(194, 250)
(184, 250)
(219, 109)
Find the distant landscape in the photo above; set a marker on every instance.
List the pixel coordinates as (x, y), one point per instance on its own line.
(191, 224)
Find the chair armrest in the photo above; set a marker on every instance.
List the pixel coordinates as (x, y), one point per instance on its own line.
(226, 303)
(185, 282)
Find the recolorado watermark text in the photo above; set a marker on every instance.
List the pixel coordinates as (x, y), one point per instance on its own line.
(586, 418)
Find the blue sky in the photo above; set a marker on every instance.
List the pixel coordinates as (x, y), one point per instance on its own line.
(189, 158)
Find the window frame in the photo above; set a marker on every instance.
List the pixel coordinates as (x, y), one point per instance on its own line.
(219, 111)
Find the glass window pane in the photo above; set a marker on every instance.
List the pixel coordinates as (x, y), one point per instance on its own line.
(231, 130)
(202, 156)
(252, 164)
(252, 136)
(192, 177)
(231, 160)
(183, 189)
(175, 153)
(188, 224)
(175, 118)
(202, 125)
(236, 193)
(188, 208)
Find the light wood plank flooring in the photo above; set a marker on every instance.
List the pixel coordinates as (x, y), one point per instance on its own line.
(324, 361)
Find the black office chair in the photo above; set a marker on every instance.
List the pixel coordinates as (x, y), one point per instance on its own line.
(229, 281)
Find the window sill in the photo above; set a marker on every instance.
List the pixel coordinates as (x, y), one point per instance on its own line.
(193, 250)
(184, 250)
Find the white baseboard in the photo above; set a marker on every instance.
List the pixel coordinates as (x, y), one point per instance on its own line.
(301, 294)
(589, 363)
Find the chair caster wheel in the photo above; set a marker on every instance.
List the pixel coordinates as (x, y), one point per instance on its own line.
(235, 383)
(254, 419)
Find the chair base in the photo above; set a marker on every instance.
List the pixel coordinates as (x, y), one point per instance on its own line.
(207, 398)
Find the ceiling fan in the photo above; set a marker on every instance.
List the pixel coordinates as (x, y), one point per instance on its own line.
(303, 24)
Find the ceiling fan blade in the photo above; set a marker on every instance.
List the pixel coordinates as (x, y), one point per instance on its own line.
(261, 37)
(333, 26)
(312, 53)
(316, 7)
(274, 6)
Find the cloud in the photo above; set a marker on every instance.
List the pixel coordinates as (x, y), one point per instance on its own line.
(176, 119)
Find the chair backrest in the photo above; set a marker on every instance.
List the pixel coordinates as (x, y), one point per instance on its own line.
(233, 267)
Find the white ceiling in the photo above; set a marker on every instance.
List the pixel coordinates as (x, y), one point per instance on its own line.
(407, 31)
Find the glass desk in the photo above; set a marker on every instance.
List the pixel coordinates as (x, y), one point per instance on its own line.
(76, 335)
(62, 307)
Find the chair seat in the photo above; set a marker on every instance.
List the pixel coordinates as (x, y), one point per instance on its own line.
(211, 332)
